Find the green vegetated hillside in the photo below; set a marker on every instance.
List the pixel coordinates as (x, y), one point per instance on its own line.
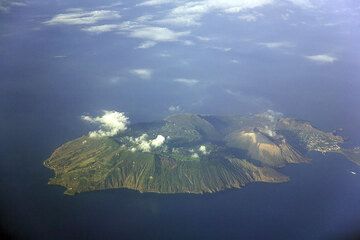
(189, 153)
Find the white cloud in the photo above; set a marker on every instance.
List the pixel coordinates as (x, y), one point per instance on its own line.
(143, 143)
(144, 18)
(174, 108)
(187, 81)
(268, 131)
(189, 13)
(186, 20)
(203, 150)
(200, 8)
(273, 45)
(111, 5)
(101, 28)
(143, 73)
(223, 49)
(158, 141)
(81, 17)
(111, 123)
(321, 58)
(204, 39)
(147, 44)
(194, 155)
(154, 2)
(205, 6)
(157, 34)
(271, 115)
(5, 5)
(141, 28)
(128, 25)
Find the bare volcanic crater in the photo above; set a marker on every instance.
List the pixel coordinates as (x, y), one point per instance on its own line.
(188, 153)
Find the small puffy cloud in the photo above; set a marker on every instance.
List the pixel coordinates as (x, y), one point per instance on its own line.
(156, 34)
(111, 123)
(271, 115)
(322, 58)
(174, 108)
(143, 143)
(195, 155)
(203, 150)
(81, 17)
(158, 141)
(143, 73)
(268, 131)
(187, 81)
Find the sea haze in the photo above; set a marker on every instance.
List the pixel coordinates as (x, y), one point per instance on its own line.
(60, 60)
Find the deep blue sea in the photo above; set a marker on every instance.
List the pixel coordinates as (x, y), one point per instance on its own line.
(320, 202)
(50, 75)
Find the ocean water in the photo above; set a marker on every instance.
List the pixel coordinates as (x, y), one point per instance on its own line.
(320, 201)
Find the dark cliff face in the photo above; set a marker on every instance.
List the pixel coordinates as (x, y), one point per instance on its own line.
(199, 154)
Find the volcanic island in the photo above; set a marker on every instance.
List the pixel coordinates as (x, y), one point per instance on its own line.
(190, 153)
